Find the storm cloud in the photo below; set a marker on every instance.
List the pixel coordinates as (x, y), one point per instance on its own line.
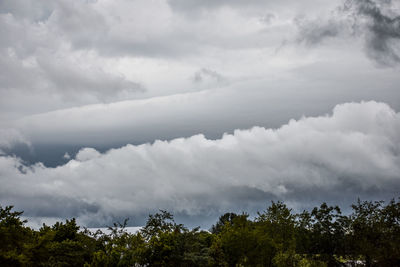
(353, 152)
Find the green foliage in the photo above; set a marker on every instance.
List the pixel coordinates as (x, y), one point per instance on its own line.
(13, 238)
(222, 221)
(236, 242)
(375, 232)
(328, 233)
(276, 237)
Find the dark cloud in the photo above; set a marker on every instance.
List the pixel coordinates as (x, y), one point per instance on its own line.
(383, 27)
(50, 205)
(376, 21)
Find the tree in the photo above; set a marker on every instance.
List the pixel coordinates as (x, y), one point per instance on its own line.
(390, 222)
(160, 222)
(275, 230)
(61, 245)
(375, 232)
(235, 243)
(328, 232)
(13, 238)
(222, 221)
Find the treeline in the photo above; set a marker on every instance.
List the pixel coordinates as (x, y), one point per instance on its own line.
(369, 236)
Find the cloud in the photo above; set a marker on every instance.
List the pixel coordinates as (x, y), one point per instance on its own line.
(87, 153)
(205, 73)
(56, 80)
(315, 31)
(194, 6)
(208, 78)
(383, 29)
(74, 81)
(67, 156)
(212, 111)
(11, 137)
(354, 152)
(48, 60)
(56, 54)
(377, 21)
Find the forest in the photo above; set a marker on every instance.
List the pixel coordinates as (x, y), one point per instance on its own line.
(324, 236)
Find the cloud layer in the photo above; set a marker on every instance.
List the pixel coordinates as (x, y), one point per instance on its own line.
(354, 152)
(60, 54)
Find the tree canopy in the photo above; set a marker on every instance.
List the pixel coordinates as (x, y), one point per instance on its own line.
(369, 236)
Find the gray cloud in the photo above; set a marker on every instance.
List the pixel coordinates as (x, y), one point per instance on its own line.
(34, 11)
(47, 205)
(378, 21)
(268, 18)
(75, 82)
(205, 74)
(149, 29)
(43, 67)
(59, 79)
(211, 111)
(315, 31)
(86, 52)
(11, 137)
(352, 152)
(383, 24)
(193, 5)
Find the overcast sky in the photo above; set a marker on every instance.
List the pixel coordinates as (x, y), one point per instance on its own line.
(115, 109)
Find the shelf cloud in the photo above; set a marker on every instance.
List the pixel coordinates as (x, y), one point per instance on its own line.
(352, 152)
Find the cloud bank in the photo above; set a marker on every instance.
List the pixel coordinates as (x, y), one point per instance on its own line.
(353, 152)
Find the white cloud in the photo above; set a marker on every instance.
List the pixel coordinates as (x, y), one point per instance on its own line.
(353, 152)
(67, 156)
(87, 153)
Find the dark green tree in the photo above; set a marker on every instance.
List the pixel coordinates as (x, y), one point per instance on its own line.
(328, 231)
(275, 230)
(14, 238)
(222, 221)
(375, 232)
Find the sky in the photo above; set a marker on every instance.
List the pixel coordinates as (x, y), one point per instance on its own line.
(117, 109)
